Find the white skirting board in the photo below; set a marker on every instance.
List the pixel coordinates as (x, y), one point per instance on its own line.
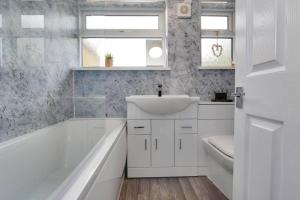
(166, 172)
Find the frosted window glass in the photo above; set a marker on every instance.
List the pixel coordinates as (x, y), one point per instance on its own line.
(208, 57)
(214, 22)
(0, 21)
(122, 22)
(127, 52)
(32, 21)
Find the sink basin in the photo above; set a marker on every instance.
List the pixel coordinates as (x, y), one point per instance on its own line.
(164, 105)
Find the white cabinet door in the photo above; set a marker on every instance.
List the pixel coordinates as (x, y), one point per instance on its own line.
(186, 150)
(215, 111)
(162, 143)
(139, 150)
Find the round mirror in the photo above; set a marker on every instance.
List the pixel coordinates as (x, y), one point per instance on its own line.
(155, 52)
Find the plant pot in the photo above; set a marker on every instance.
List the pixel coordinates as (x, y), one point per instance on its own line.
(108, 62)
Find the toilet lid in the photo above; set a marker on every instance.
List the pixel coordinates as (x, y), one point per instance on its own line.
(223, 143)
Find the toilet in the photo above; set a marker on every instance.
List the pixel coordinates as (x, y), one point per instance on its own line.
(216, 127)
(220, 156)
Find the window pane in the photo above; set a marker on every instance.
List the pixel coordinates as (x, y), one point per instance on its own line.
(214, 22)
(222, 56)
(126, 52)
(122, 22)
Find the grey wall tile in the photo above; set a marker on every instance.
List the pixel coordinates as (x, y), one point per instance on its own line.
(35, 77)
(184, 78)
(90, 107)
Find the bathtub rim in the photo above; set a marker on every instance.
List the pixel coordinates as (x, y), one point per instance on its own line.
(26, 136)
(75, 188)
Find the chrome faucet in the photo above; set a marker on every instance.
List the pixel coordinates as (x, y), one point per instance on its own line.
(159, 90)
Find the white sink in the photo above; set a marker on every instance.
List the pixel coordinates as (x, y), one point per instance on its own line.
(167, 104)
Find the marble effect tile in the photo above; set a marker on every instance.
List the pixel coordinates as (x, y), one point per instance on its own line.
(184, 78)
(31, 51)
(35, 77)
(90, 107)
(37, 83)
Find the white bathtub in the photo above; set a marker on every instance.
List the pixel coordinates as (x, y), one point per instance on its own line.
(76, 159)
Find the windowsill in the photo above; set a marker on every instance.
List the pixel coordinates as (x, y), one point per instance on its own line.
(122, 69)
(225, 67)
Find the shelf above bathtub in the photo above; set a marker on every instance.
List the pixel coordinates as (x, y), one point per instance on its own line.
(212, 68)
(122, 69)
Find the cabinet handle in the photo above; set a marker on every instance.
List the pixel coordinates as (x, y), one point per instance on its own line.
(180, 144)
(186, 127)
(156, 144)
(146, 146)
(139, 127)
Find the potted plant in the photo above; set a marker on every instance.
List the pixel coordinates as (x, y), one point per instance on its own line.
(108, 60)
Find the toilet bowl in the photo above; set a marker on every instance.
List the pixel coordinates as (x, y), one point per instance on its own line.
(220, 157)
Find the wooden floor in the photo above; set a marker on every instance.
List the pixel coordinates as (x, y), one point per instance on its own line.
(191, 188)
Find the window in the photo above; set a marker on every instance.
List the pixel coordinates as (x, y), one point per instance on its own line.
(216, 56)
(217, 36)
(122, 22)
(214, 22)
(127, 52)
(135, 39)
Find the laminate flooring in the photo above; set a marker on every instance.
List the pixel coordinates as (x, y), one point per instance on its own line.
(185, 188)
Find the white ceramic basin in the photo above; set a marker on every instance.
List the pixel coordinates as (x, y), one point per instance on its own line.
(164, 105)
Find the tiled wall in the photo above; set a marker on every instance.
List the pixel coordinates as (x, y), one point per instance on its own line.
(102, 93)
(37, 83)
(39, 47)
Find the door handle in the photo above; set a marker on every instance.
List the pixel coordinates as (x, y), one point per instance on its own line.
(146, 146)
(180, 144)
(239, 97)
(156, 144)
(186, 127)
(139, 127)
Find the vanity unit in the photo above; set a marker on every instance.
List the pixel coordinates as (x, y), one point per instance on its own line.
(162, 136)
(165, 134)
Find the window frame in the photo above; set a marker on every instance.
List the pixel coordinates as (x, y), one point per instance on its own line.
(223, 34)
(161, 32)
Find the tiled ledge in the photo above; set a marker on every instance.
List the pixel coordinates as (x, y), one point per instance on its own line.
(122, 69)
(232, 68)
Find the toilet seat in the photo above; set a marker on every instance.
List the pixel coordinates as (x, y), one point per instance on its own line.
(223, 143)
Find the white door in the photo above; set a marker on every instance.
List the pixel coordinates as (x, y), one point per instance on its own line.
(267, 128)
(162, 143)
(139, 151)
(186, 150)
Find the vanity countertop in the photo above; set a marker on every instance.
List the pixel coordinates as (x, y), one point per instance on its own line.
(215, 103)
